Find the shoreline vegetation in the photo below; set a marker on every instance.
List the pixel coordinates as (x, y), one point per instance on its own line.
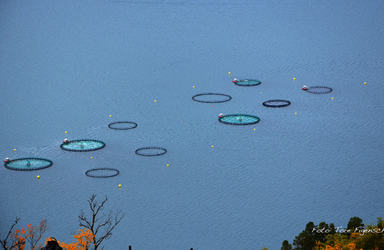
(355, 236)
(97, 226)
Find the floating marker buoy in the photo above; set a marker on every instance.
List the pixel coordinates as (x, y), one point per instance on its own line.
(14, 149)
(65, 132)
(294, 78)
(7, 160)
(193, 86)
(38, 177)
(229, 73)
(91, 157)
(254, 129)
(365, 83)
(155, 100)
(167, 165)
(332, 98)
(119, 185)
(295, 113)
(110, 116)
(212, 146)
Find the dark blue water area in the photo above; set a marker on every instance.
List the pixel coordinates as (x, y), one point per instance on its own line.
(68, 65)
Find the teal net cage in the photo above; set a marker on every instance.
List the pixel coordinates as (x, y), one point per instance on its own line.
(28, 164)
(239, 119)
(246, 82)
(82, 145)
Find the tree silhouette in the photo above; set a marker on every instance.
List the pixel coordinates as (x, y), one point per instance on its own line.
(286, 245)
(100, 225)
(355, 222)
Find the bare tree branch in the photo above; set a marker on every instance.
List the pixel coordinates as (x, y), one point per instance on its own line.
(82, 220)
(100, 225)
(36, 234)
(4, 242)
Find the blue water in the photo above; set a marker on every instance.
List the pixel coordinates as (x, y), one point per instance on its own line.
(68, 65)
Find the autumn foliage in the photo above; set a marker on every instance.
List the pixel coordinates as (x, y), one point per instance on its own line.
(83, 240)
(19, 238)
(340, 243)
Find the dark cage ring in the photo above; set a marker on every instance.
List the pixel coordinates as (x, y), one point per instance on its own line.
(102, 172)
(141, 151)
(277, 103)
(319, 90)
(225, 98)
(125, 125)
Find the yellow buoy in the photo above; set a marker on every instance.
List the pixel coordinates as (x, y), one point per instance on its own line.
(193, 86)
(65, 132)
(332, 98)
(294, 78)
(155, 100)
(212, 146)
(119, 185)
(38, 177)
(254, 129)
(295, 113)
(110, 116)
(229, 73)
(91, 157)
(365, 83)
(167, 165)
(14, 149)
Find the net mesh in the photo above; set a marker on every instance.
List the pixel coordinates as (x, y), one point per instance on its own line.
(247, 82)
(239, 119)
(28, 164)
(82, 145)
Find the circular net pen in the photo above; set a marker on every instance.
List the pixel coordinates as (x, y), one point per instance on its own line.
(123, 125)
(28, 164)
(83, 145)
(276, 103)
(102, 172)
(239, 119)
(318, 90)
(211, 98)
(151, 151)
(247, 82)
